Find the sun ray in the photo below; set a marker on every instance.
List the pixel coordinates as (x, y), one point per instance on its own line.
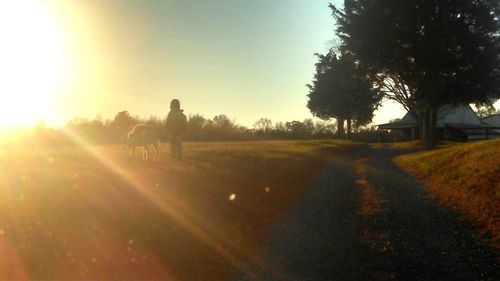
(167, 207)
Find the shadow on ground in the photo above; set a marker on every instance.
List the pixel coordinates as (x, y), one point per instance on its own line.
(406, 237)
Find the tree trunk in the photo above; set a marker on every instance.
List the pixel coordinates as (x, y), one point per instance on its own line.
(349, 128)
(340, 128)
(429, 119)
(420, 135)
(432, 127)
(424, 126)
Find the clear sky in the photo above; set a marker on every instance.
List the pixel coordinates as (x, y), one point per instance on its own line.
(246, 59)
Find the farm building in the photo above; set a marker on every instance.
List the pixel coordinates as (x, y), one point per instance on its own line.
(453, 123)
(492, 120)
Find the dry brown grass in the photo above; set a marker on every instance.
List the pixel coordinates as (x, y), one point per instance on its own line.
(370, 206)
(91, 213)
(464, 177)
(413, 144)
(398, 145)
(371, 201)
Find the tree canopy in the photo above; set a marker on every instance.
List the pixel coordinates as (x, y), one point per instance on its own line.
(341, 91)
(445, 51)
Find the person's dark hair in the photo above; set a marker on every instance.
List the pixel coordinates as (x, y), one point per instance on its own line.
(175, 104)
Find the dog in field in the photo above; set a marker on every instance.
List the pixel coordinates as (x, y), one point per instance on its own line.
(147, 137)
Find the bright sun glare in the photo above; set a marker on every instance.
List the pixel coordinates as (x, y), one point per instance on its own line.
(31, 62)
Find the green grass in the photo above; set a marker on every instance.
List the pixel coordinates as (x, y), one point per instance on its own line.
(90, 212)
(465, 177)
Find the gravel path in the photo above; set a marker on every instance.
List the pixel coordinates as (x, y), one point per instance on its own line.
(409, 237)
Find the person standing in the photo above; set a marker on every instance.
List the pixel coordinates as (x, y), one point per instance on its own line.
(176, 126)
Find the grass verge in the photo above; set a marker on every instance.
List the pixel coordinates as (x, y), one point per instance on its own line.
(465, 177)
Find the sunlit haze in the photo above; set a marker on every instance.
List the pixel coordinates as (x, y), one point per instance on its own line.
(33, 61)
(171, 140)
(245, 59)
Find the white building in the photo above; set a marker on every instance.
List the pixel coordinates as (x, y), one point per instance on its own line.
(492, 120)
(453, 122)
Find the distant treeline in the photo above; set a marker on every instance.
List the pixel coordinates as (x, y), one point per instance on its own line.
(199, 128)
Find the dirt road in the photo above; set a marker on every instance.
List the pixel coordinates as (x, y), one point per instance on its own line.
(365, 219)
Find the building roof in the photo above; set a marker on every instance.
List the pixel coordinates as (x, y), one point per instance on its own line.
(397, 125)
(492, 120)
(447, 115)
(490, 116)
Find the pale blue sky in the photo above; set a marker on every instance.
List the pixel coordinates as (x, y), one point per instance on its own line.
(245, 59)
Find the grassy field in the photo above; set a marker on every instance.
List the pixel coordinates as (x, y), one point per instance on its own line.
(90, 212)
(464, 177)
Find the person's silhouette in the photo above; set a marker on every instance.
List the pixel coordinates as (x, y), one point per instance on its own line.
(176, 126)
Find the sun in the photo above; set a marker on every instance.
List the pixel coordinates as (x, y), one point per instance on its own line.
(32, 62)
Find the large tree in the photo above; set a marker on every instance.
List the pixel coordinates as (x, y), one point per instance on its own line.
(341, 91)
(445, 51)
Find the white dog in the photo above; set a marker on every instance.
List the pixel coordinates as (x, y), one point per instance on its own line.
(144, 136)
